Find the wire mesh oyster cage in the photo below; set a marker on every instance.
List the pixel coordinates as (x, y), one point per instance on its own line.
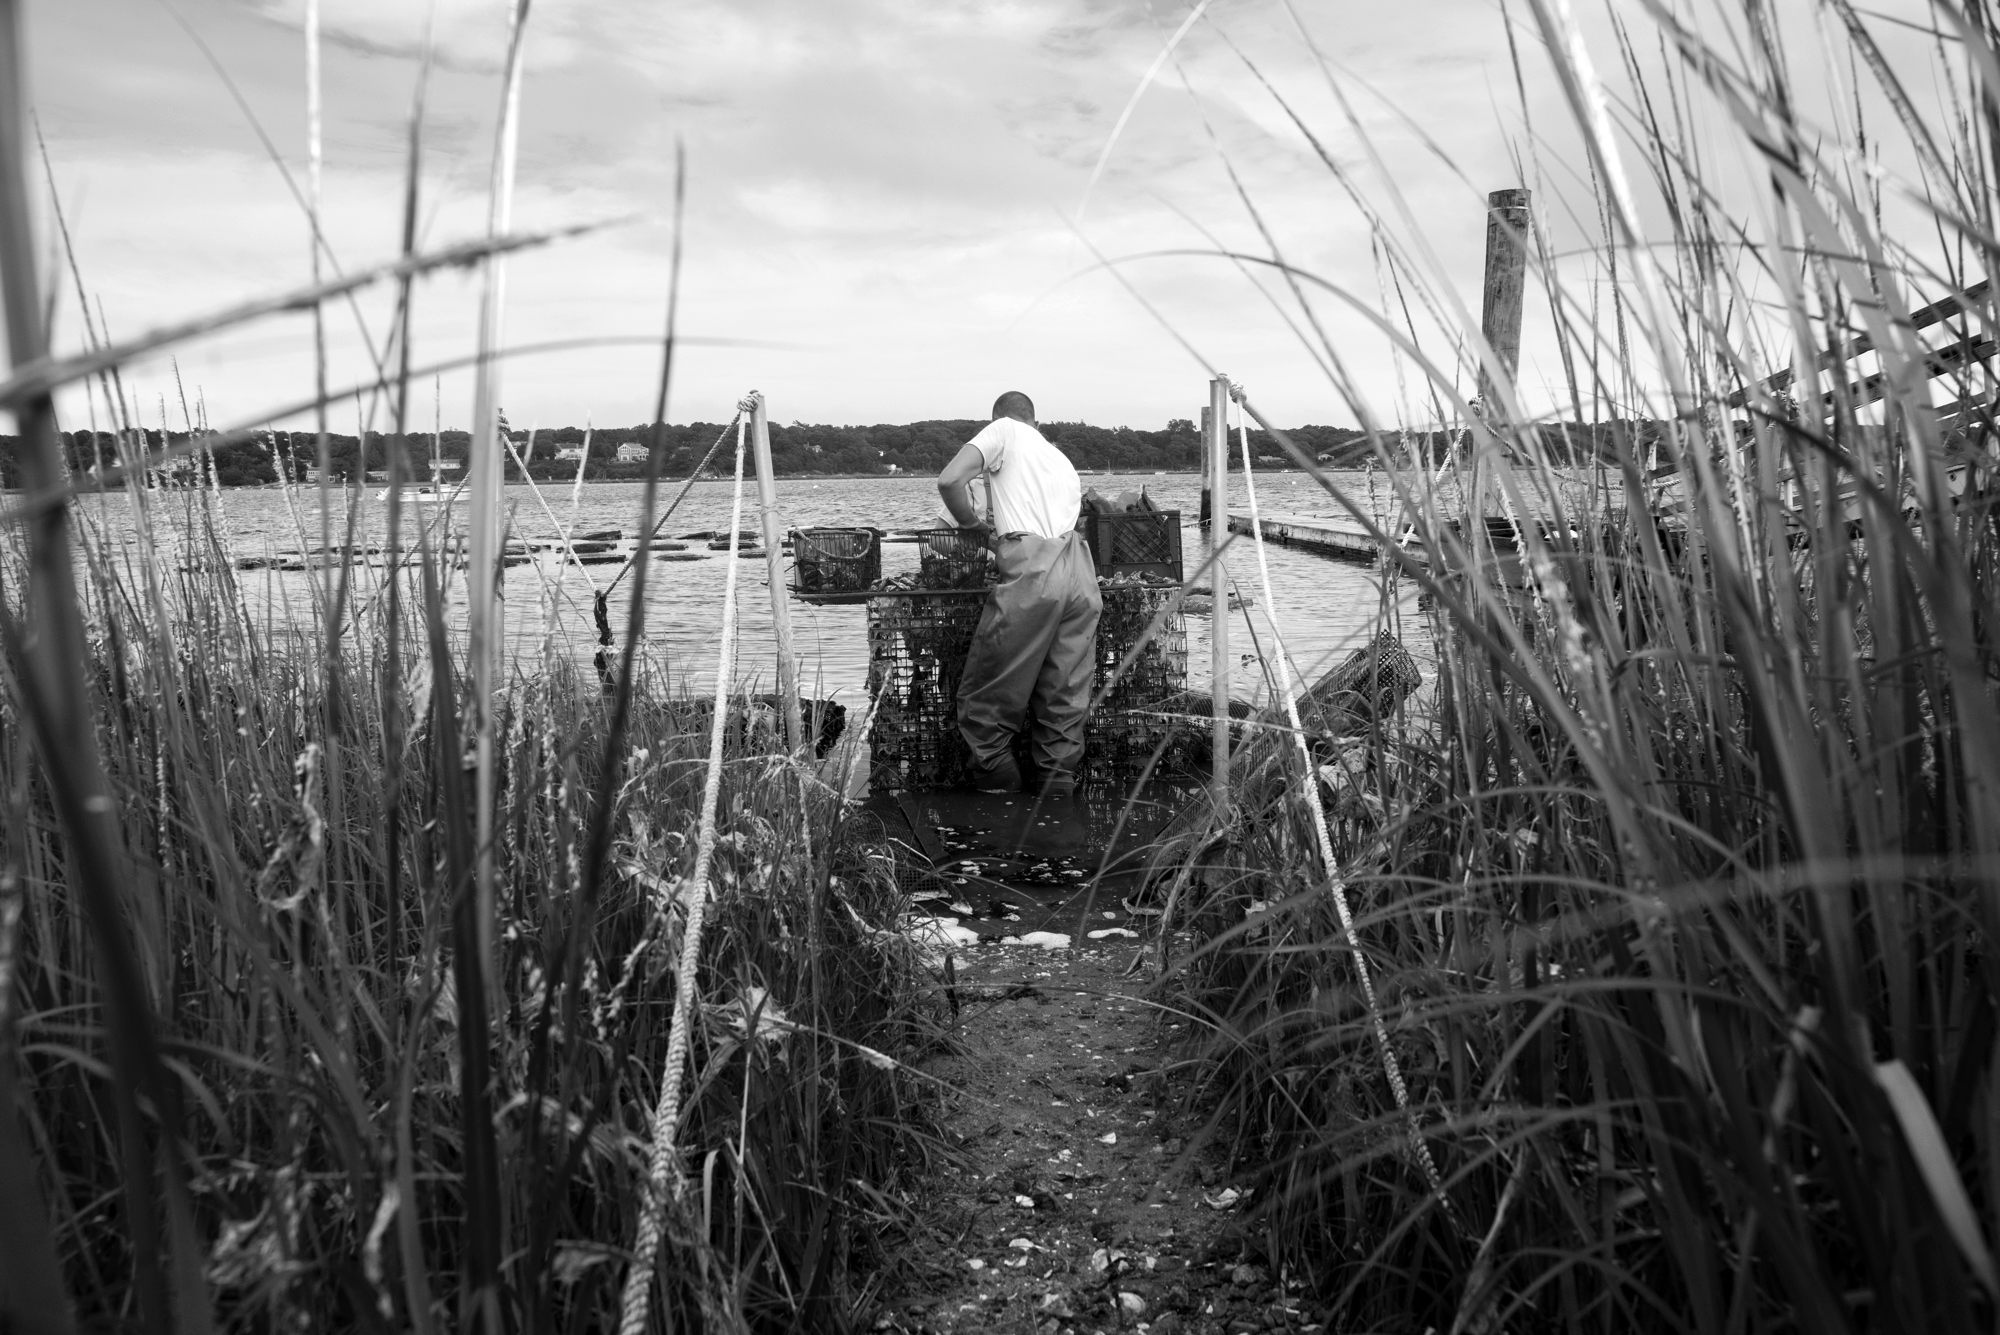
(1126, 733)
(1362, 689)
(836, 560)
(917, 645)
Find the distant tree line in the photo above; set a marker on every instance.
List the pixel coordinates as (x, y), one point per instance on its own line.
(796, 450)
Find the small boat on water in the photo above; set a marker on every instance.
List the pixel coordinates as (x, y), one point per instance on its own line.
(422, 495)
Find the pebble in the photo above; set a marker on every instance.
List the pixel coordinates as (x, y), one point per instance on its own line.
(1131, 1304)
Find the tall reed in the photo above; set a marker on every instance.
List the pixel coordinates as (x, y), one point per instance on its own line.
(312, 1026)
(251, 1076)
(1679, 891)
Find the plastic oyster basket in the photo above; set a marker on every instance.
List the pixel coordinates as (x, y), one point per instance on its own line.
(836, 560)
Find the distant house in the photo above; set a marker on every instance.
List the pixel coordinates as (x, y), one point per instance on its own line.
(572, 452)
(631, 453)
(448, 465)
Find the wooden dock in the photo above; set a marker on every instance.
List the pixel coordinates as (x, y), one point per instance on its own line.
(1326, 535)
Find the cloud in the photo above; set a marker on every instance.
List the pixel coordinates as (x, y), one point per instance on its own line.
(889, 185)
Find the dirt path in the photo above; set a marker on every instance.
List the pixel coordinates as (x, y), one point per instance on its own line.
(1078, 1206)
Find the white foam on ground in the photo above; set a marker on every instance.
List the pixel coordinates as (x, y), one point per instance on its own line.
(941, 933)
(1103, 932)
(1046, 940)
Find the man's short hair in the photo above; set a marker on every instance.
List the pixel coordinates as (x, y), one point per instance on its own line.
(1014, 402)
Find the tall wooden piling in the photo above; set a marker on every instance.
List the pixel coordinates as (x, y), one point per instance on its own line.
(774, 565)
(1505, 285)
(1207, 502)
(1216, 468)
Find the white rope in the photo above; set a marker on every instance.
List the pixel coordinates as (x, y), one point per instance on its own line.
(1333, 879)
(665, 1165)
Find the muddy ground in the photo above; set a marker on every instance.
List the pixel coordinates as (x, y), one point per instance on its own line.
(1078, 1204)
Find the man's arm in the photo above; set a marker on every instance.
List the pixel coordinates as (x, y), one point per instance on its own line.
(955, 485)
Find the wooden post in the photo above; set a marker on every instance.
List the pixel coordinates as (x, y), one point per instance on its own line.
(1216, 420)
(1207, 510)
(1506, 280)
(774, 565)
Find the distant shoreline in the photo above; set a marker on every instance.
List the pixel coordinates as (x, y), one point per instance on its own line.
(414, 483)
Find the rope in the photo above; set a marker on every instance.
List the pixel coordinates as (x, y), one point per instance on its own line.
(736, 423)
(1389, 1062)
(665, 1162)
(601, 598)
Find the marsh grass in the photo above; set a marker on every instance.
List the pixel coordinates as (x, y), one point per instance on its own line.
(1680, 893)
(284, 1044)
(313, 1027)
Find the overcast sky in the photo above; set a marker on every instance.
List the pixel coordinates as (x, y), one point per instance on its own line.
(885, 197)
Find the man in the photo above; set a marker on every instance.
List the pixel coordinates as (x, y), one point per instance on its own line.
(1036, 644)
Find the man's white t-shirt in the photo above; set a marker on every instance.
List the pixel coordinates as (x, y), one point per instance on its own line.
(1031, 486)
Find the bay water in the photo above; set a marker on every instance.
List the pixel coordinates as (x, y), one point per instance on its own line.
(1325, 608)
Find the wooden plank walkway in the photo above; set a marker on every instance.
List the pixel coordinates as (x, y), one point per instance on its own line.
(1326, 535)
